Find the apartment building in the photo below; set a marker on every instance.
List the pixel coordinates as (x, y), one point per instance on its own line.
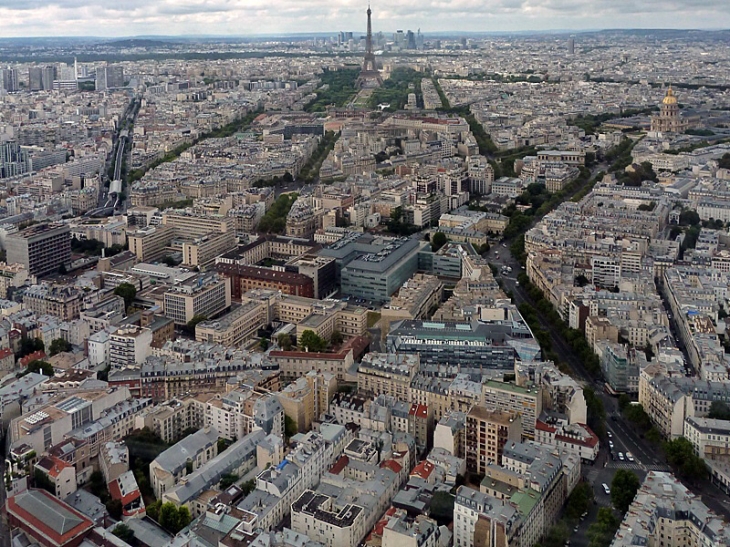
(664, 510)
(709, 437)
(13, 276)
(523, 401)
(387, 374)
(245, 278)
(196, 226)
(60, 301)
(416, 299)
(129, 346)
(41, 249)
(481, 519)
(486, 434)
(203, 250)
(206, 294)
(236, 327)
(150, 243)
(169, 420)
(187, 455)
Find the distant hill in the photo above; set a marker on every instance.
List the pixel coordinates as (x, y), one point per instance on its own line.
(137, 42)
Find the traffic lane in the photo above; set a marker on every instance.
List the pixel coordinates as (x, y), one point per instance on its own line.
(638, 447)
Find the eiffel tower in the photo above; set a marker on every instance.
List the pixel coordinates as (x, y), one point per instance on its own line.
(369, 75)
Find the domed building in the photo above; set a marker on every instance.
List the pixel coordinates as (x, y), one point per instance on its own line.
(669, 119)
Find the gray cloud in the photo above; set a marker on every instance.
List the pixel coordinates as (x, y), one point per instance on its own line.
(130, 17)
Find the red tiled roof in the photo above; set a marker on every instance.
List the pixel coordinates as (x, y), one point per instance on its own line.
(393, 465)
(53, 465)
(339, 465)
(116, 493)
(423, 469)
(34, 523)
(5, 352)
(35, 356)
(420, 411)
(542, 426)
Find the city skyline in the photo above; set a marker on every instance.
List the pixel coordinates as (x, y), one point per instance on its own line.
(255, 17)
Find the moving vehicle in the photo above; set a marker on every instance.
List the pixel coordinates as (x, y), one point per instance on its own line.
(606, 489)
(621, 456)
(629, 457)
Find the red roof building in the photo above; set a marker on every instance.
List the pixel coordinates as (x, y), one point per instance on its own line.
(51, 522)
(125, 489)
(35, 356)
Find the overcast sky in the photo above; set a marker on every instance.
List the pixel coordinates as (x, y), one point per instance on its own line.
(247, 17)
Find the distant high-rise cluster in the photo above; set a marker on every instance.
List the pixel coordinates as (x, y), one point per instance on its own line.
(10, 80)
(109, 77)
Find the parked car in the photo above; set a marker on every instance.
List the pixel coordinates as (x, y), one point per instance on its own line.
(621, 456)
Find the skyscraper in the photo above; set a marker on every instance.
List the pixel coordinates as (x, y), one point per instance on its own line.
(369, 75)
(100, 78)
(50, 74)
(571, 45)
(35, 78)
(10, 80)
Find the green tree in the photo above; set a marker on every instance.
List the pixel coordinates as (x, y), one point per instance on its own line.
(42, 481)
(438, 240)
(128, 292)
(284, 341)
(601, 532)
(681, 456)
(719, 411)
(153, 510)
(123, 532)
(442, 507)
(59, 345)
(337, 338)
(290, 427)
(190, 326)
(169, 519)
(623, 401)
(42, 367)
(557, 535)
(263, 344)
(689, 218)
(311, 341)
(596, 411)
(579, 501)
(248, 487)
(30, 345)
(115, 508)
(227, 480)
(624, 486)
(183, 516)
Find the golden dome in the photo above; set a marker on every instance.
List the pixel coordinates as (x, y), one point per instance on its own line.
(670, 98)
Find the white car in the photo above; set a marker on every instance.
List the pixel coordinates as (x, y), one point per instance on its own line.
(606, 489)
(629, 457)
(610, 435)
(621, 456)
(610, 445)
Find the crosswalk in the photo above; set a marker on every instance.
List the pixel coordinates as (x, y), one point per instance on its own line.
(636, 466)
(625, 465)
